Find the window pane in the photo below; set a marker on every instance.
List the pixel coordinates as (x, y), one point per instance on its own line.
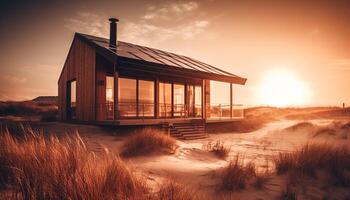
(146, 98)
(165, 99)
(110, 96)
(179, 100)
(127, 97)
(73, 99)
(198, 101)
(219, 99)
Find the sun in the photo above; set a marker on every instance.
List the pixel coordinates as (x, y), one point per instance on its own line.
(282, 88)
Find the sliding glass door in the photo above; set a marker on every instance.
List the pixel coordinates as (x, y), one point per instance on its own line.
(146, 98)
(127, 97)
(179, 100)
(165, 99)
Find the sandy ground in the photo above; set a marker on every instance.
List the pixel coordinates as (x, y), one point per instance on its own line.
(196, 168)
(193, 166)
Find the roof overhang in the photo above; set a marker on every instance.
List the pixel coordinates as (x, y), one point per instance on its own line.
(139, 65)
(142, 65)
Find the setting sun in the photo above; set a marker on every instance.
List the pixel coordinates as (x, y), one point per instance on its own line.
(282, 88)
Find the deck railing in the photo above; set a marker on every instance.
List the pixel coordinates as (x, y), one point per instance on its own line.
(147, 110)
(224, 111)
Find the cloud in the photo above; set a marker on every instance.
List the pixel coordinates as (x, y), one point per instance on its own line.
(341, 64)
(89, 23)
(13, 79)
(166, 22)
(170, 11)
(158, 24)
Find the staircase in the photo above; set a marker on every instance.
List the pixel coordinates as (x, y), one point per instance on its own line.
(188, 131)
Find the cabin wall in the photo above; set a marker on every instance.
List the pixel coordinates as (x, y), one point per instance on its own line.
(103, 68)
(79, 66)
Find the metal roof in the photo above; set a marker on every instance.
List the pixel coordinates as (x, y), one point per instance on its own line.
(166, 59)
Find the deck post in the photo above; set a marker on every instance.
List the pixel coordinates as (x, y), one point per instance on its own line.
(231, 101)
(115, 90)
(156, 99)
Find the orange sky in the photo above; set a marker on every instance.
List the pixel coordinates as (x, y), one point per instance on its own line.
(248, 38)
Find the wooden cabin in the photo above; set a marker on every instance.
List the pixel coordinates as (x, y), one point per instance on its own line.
(105, 81)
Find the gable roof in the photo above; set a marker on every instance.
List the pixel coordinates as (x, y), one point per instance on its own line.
(165, 59)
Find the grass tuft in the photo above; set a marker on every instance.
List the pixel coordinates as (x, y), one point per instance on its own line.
(148, 141)
(310, 158)
(236, 175)
(218, 149)
(171, 189)
(35, 167)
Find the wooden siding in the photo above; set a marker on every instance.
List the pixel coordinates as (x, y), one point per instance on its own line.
(103, 68)
(79, 66)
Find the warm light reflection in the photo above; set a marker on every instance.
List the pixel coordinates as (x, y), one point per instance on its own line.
(282, 88)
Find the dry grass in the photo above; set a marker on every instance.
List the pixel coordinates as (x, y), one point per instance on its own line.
(310, 158)
(289, 193)
(170, 189)
(37, 168)
(148, 141)
(46, 112)
(218, 149)
(236, 175)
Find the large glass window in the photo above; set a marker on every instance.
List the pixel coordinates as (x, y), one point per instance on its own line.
(179, 100)
(110, 96)
(198, 101)
(220, 104)
(72, 99)
(165, 98)
(146, 98)
(127, 97)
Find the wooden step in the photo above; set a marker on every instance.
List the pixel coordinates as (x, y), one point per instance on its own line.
(188, 131)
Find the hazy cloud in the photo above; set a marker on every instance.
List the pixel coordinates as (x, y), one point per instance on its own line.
(13, 79)
(165, 22)
(341, 64)
(170, 10)
(158, 24)
(90, 23)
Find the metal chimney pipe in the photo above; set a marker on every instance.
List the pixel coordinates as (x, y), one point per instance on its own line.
(113, 32)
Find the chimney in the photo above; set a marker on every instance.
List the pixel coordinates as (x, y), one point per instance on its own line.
(113, 32)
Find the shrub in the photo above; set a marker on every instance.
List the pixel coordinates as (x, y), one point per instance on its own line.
(218, 149)
(289, 193)
(171, 189)
(236, 175)
(37, 168)
(310, 158)
(148, 141)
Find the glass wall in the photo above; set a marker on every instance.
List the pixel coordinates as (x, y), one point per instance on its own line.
(146, 98)
(220, 99)
(110, 96)
(179, 100)
(198, 101)
(127, 97)
(72, 104)
(165, 99)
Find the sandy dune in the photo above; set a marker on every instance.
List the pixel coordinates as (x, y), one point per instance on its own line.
(193, 166)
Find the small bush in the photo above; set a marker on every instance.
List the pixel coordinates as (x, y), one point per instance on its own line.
(236, 175)
(289, 193)
(171, 189)
(148, 141)
(218, 149)
(310, 158)
(37, 168)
